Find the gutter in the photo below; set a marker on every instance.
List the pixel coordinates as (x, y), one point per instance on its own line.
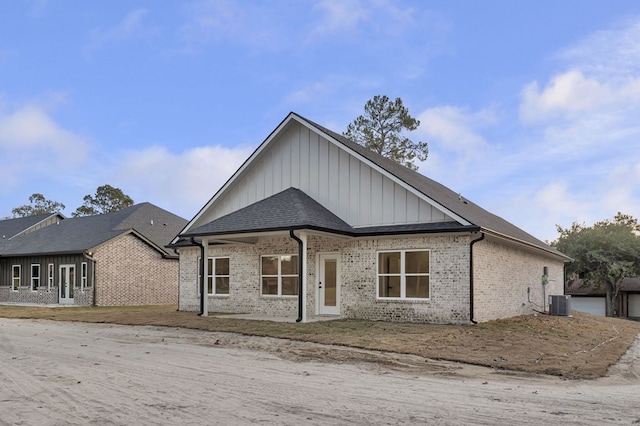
(201, 269)
(300, 273)
(473, 321)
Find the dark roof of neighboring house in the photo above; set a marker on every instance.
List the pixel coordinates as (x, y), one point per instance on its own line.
(579, 288)
(12, 227)
(80, 234)
(293, 209)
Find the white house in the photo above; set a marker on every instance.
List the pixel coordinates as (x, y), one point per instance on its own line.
(315, 224)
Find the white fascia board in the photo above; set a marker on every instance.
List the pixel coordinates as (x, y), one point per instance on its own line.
(391, 176)
(238, 172)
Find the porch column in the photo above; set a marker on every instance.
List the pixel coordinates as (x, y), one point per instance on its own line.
(205, 275)
(303, 237)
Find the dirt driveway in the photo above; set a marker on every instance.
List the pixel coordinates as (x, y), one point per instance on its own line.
(59, 373)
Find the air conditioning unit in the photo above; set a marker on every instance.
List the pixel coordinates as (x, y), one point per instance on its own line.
(560, 305)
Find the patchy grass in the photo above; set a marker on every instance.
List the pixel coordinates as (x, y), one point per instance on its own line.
(581, 346)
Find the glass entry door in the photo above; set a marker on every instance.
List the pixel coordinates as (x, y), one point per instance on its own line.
(67, 283)
(329, 285)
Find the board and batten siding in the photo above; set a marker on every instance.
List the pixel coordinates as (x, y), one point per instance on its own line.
(348, 187)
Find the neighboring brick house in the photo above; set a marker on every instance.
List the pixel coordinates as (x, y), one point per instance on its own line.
(314, 224)
(110, 259)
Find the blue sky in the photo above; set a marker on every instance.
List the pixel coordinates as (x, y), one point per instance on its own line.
(530, 108)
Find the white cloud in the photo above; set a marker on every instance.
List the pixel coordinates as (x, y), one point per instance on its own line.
(33, 146)
(570, 94)
(131, 26)
(31, 133)
(215, 21)
(181, 183)
(339, 16)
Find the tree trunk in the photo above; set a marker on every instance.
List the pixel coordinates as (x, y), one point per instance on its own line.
(611, 295)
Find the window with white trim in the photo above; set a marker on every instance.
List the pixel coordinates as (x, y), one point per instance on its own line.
(35, 276)
(15, 277)
(279, 275)
(403, 274)
(83, 275)
(50, 276)
(217, 276)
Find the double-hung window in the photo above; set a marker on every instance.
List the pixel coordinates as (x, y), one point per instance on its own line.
(15, 277)
(35, 276)
(403, 274)
(217, 276)
(50, 276)
(218, 279)
(279, 275)
(83, 275)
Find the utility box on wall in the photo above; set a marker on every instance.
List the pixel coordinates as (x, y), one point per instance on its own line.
(560, 305)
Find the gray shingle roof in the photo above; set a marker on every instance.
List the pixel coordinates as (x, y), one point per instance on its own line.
(12, 227)
(289, 209)
(76, 235)
(276, 212)
(439, 193)
(293, 209)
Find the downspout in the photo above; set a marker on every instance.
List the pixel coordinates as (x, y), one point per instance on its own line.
(201, 269)
(471, 277)
(300, 273)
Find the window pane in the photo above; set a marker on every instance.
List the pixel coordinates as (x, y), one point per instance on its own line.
(35, 271)
(417, 262)
(270, 265)
(270, 285)
(222, 266)
(16, 272)
(418, 287)
(209, 266)
(389, 263)
(222, 285)
(389, 287)
(210, 285)
(289, 265)
(289, 286)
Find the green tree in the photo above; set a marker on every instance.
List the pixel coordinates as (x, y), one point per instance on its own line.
(106, 200)
(39, 205)
(604, 254)
(381, 130)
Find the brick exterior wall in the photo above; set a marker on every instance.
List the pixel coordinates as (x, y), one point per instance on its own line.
(448, 284)
(129, 272)
(504, 272)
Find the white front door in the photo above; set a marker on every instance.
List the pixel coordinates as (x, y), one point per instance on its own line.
(329, 284)
(67, 283)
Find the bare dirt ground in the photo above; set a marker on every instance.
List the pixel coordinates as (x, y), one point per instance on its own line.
(60, 373)
(579, 347)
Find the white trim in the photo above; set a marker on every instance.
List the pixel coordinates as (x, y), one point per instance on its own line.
(51, 273)
(382, 171)
(402, 275)
(213, 276)
(72, 283)
(237, 173)
(205, 273)
(39, 277)
(279, 275)
(13, 277)
(84, 275)
(320, 256)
